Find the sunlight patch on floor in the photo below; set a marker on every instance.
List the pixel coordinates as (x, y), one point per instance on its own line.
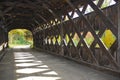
(39, 78)
(21, 46)
(23, 60)
(27, 64)
(29, 68)
(51, 73)
(44, 66)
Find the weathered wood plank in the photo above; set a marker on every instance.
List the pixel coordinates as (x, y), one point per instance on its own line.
(100, 3)
(111, 59)
(83, 41)
(118, 52)
(105, 19)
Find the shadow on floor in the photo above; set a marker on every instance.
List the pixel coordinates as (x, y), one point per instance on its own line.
(28, 67)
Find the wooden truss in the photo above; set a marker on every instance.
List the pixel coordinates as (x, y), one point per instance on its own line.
(100, 20)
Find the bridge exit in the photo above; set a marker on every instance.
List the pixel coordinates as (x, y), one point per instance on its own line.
(20, 38)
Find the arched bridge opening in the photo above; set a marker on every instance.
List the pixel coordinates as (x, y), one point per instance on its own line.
(20, 38)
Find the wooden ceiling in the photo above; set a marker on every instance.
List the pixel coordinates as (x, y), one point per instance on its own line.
(25, 13)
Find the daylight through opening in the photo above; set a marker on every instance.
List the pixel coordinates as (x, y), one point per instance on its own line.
(20, 38)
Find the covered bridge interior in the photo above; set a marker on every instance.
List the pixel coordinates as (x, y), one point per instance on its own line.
(55, 25)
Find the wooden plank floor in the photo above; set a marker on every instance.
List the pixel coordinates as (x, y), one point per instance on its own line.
(28, 64)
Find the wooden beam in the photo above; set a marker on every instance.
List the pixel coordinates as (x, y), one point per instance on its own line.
(118, 52)
(21, 5)
(100, 3)
(61, 26)
(7, 10)
(18, 14)
(51, 11)
(84, 8)
(105, 19)
(1, 14)
(38, 8)
(19, 26)
(41, 17)
(83, 41)
(111, 59)
(116, 0)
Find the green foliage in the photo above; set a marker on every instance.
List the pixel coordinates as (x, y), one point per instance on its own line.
(20, 37)
(76, 39)
(59, 40)
(106, 3)
(108, 38)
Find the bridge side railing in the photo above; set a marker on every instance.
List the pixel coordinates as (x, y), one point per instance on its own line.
(86, 39)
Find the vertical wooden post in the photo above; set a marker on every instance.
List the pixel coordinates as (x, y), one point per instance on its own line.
(0, 25)
(43, 39)
(7, 38)
(61, 26)
(1, 14)
(2, 29)
(61, 34)
(118, 52)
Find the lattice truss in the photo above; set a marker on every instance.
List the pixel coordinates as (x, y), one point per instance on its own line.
(80, 37)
